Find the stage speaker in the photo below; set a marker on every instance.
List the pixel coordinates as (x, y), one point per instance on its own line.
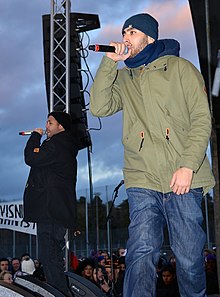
(11, 290)
(38, 288)
(78, 109)
(83, 287)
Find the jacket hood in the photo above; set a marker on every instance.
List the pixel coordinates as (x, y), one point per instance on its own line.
(170, 47)
(67, 140)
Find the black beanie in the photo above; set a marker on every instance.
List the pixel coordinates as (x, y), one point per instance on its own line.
(143, 22)
(62, 118)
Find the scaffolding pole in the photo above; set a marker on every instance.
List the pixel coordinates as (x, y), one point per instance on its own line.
(60, 26)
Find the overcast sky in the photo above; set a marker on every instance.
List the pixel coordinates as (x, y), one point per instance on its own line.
(23, 103)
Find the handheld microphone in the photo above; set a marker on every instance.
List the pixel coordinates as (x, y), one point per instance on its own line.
(102, 48)
(119, 185)
(29, 132)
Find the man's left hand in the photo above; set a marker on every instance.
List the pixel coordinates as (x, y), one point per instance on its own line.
(181, 180)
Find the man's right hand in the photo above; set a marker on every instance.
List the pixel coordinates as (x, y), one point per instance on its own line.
(39, 130)
(120, 52)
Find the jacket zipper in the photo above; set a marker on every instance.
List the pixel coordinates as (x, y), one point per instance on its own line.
(142, 140)
(168, 135)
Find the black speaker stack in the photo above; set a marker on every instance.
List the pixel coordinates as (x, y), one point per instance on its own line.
(79, 22)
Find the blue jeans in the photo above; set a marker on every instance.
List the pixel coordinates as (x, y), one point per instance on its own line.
(149, 212)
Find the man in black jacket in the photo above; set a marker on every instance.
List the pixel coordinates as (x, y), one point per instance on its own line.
(49, 197)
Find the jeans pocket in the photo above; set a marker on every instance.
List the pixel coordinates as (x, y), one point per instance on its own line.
(197, 191)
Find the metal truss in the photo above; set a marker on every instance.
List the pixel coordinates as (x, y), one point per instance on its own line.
(60, 67)
(60, 55)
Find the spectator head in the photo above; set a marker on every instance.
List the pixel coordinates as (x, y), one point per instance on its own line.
(37, 263)
(25, 256)
(108, 269)
(16, 264)
(168, 274)
(87, 271)
(27, 266)
(121, 252)
(4, 264)
(121, 263)
(86, 268)
(208, 251)
(101, 260)
(172, 261)
(105, 254)
(98, 274)
(210, 263)
(6, 276)
(162, 262)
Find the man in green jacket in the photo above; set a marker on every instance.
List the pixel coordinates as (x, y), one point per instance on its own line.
(166, 130)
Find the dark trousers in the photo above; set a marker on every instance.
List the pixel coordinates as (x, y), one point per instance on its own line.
(51, 243)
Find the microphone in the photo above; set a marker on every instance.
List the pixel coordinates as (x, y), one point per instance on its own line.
(102, 48)
(119, 185)
(29, 132)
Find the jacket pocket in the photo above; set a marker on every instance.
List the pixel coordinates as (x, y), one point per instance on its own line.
(177, 124)
(35, 204)
(133, 141)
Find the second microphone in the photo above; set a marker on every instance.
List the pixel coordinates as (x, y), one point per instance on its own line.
(29, 132)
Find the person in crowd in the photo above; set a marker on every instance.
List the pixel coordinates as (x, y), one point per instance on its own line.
(16, 266)
(39, 270)
(119, 280)
(121, 252)
(207, 252)
(49, 196)
(6, 276)
(4, 264)
(211, 274)
(85, 269)
(74, 261)
(25, 256)
(27, 266)
(106, 254)
(172, 261)
(99, 281)
(101, 260)
(166, 131)
(168, 286)
(109, 275)
(121, 263)
(162, 262)
(87, 272)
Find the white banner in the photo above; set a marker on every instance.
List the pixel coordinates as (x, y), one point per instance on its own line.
(11, 217)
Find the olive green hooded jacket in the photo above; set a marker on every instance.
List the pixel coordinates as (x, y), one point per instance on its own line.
(166, 120)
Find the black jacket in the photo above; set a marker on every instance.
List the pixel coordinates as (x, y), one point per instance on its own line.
(50, 194)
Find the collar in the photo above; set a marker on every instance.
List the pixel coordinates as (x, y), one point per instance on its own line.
(153, 51)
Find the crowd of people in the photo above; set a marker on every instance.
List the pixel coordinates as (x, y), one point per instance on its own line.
(10, 268)
(167, 283)
(107, 271)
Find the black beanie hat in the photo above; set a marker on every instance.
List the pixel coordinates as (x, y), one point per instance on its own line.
(143, 22)
(62, 118)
